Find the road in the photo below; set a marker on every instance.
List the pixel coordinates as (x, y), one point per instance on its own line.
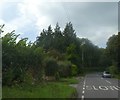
(94, 87)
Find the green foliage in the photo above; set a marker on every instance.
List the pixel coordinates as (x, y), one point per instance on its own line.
(112, 47)
(18, 57)
(45, 39)
(37, 66)
(57, 43)
(54, 53)
(118, 60)
(113, 50)
(28, 78)
(8, 49)
(71, 80)
(104, 61)
(8, 76)
(74, 70)
(49, 90)
(72, 54)
(64, 68)
(113, 70)
(51, 66)
(57, 76)
(56, 39)
(38, 54)
(69, 34)
(90, 54)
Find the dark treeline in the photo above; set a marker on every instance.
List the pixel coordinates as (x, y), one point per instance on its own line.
(67, 43)
(54, 53)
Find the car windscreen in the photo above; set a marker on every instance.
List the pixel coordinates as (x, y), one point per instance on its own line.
(107, 72)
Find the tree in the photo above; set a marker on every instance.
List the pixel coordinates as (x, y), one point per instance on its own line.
(112, 48)
(118, 51)
(72, 54)
(8, 50)
(45, 39)
(104, 61)
(64, 68)
(90, 53)
(51, 66)
(38, 68)
(58, 43)
(20, 57)
(69, 34)
(54, 53)
(8, 57)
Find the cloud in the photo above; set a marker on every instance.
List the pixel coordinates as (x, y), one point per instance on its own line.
(95, 21)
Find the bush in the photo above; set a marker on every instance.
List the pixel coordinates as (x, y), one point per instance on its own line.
(57, 76)
(13, 75)
(64, 68)
(28, 79)
(113, 70)
(8, 77)
(55, 54)
(74, 70)
(51, 66)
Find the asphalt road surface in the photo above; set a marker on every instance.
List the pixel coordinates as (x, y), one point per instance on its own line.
(94, 87)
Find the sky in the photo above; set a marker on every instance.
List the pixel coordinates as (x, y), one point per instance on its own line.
(94, 20)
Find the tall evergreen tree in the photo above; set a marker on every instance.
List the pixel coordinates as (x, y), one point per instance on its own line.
(45, 39)
(58, 43)
(69, 34)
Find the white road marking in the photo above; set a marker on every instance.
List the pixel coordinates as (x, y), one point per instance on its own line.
(118, 87)
(84, 85)
(108, 81)
(82, 97)
(83, 92)
(103, 88)
(111, 87)
(115, 88)
(94, 88)
(84, 82)
(88, 87)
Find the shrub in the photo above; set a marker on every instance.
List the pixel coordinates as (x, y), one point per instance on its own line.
(51, 66)
(8, 76)
(64, 68)
(57, 76)
(74, 70)
(28, 79)
(12, 75)
(113, 70)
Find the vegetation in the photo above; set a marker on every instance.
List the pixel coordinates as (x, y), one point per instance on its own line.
(113, 52)
(46, 90)
(54, 55)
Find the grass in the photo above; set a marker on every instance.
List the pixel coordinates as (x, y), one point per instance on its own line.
(59, 89)
(72, 80)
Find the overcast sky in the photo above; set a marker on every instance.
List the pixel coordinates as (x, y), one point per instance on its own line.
(96, 21)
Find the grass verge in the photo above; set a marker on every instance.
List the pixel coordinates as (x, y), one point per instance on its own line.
(72, 80)
(59, 89)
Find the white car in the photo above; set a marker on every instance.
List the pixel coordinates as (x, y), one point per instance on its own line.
(106, 74)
